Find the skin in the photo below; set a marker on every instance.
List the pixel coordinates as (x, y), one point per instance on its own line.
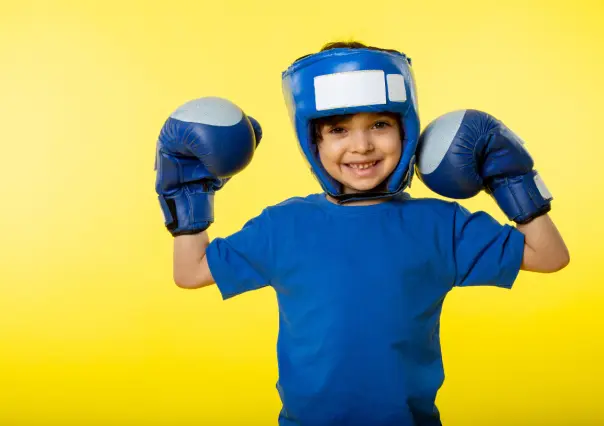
(364, 138)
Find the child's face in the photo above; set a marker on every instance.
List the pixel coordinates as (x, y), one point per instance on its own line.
(361, 150)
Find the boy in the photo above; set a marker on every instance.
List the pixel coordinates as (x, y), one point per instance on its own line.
(361, 270)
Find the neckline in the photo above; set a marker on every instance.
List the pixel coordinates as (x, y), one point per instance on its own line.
(362, 209)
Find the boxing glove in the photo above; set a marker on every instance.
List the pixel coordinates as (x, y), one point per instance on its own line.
(200, 147)
(463, 152)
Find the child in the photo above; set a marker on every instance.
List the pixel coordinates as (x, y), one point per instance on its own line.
(360, 270)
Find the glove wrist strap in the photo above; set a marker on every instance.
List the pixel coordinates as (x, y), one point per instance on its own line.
(522, 198)
(188, 211)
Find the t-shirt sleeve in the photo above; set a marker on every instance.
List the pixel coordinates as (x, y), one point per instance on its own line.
(486, 252)
(242, 261)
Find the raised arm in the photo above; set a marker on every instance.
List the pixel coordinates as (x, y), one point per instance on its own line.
(200, 147)
(464, 152)
(190, 264)
(544, 248)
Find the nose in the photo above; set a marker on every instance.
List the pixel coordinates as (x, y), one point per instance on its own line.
(361, 142)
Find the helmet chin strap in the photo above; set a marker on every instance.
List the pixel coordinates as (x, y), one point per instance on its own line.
(374, 193)
(362, 196)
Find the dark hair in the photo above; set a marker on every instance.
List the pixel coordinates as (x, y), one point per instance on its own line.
(318, 123)
(348, 45)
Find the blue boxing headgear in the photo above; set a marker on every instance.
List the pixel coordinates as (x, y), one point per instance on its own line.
(349, 81)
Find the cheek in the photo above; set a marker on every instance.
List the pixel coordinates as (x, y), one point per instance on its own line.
(391, 147)
(329, 152)
(392, 151)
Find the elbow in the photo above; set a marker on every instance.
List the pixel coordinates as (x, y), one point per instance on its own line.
(191, 277)
(184, 282)
(564, 260)
(180, 283)
(560, 262)
(192, 281)
(546, 263)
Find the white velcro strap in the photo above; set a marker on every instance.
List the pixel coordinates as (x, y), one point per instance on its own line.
(542, 188)
(350, 89)
(396, 88)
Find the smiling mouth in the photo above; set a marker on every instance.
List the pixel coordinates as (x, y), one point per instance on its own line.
(362, 166)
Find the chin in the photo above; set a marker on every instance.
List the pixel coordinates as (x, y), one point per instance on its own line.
(365, 187)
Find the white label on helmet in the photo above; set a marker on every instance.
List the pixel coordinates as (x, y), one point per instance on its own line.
(350, 89)
(542, 188)
(396, 88)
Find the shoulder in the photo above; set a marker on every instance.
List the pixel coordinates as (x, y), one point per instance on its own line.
(428, 205)
(294, 205)
(448, 210)
(439, 213)
(282, 221)
(297, 202)
(291, 209)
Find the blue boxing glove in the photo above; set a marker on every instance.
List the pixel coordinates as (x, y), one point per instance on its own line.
(200, 147)
(463, 152)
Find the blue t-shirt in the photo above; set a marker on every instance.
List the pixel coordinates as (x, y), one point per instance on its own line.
(360, 291)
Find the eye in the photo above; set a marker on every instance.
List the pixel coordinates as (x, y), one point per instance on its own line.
(382, 124)
(336, 130)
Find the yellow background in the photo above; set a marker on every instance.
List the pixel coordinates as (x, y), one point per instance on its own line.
(92, 329)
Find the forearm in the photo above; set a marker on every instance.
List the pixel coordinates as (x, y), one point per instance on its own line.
(190, 265)
(544, 248)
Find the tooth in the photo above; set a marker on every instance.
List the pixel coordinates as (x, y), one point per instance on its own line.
(362, 166)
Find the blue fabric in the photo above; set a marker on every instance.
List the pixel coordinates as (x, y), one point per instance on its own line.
(360, 291)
